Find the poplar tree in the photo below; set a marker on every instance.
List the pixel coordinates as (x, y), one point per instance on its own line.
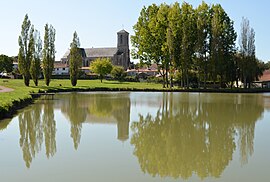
(26, 50)
(174, 37)
(188, 40)
(75, 59)
(250, 68)
(202, 43)
(48, 53)
(35, 68)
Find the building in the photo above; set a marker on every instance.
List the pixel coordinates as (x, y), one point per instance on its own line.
(60, 69)
(264, 80)
(119, 55)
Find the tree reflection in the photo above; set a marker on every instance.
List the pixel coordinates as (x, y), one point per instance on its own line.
(188, 135)
(77, 112)
(33, 130)
(49, 127)
(31, 133)
(4, 123)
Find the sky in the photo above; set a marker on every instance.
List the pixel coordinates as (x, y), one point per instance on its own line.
(98, 21)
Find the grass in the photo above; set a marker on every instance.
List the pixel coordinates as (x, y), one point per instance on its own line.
(20, 92)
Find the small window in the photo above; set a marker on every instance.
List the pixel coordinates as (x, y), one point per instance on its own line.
(121, 39)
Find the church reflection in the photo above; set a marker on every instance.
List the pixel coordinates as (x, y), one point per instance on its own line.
(188, 135)
(97, 108)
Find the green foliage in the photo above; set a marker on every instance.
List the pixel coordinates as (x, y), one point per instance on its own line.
(6, 63)
(182, 38)
(222, 45)
(35, 67)
(26, 50)
(48, 53)
(101, 66)
(118, 73)
(75, 59)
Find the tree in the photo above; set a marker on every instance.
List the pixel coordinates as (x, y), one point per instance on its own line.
(118, 73)
(48, 53)
(188, 40)
(147, 39)
(202, 43)
(35, 68)
(247, 59)
(101, 66)
(222, 44)
(25, 51)
(75, 59)
(6, 63)
(174, 37)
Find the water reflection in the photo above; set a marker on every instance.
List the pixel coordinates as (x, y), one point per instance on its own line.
(97, 108)
(37, 123)
(196, 134)
(4, 124)
(34, 130)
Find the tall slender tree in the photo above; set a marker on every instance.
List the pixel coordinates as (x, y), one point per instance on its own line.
(202, 43)
(26, 50)
(75, 59)
(48, 53)
(188, 40)
(247, 62)
(174, 36)
(35, 68)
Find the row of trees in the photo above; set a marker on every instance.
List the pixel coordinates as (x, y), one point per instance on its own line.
(198, 42)
(31, 52)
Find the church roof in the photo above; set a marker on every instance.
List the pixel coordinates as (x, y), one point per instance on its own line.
(100, 52)
(96, 52)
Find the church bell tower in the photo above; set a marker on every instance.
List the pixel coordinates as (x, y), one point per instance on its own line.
(123, 47)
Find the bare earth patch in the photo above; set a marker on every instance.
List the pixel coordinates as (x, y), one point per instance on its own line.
(5, 89)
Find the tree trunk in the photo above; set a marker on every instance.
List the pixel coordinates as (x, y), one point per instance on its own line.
(26, 79)
(167, 80)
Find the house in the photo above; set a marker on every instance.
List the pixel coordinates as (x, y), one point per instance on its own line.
(146, 71)
(119, 55)
(60, 69)
(264, 80)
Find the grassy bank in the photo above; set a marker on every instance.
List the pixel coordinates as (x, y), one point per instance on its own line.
(12, 101)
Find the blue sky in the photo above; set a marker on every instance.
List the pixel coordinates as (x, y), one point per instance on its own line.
(97, 21)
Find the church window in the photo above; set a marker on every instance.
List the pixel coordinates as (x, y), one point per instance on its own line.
(121, 39)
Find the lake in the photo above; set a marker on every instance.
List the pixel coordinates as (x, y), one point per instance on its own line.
(136, 136)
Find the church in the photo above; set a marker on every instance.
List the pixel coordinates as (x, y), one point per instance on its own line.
(119, 55)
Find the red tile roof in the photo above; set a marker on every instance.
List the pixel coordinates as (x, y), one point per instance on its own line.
(265, 76)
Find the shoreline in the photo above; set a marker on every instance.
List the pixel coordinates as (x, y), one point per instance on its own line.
(23, 102)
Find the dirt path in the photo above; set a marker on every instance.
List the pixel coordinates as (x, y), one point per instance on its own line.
(5, 89)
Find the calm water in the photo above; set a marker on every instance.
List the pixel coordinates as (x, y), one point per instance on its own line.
(123, 137)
